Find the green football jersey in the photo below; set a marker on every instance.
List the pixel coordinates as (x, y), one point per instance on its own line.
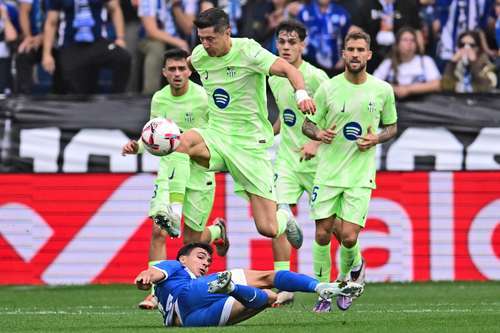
(292, 138)
(236, 87)
(352, 107)
(187, 111)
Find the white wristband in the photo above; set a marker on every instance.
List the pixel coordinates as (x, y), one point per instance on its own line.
(301, 95)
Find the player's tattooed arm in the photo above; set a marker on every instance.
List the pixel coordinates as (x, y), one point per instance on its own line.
(312, 131)
(387, 133)
(371, 139)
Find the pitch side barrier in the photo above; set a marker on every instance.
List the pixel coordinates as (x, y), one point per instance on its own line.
(73, 210)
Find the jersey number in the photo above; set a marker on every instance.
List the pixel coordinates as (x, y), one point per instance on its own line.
(314, 195)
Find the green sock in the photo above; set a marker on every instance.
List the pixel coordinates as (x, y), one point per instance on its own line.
(215, 232)
(282, 218)
(282, 266)
(151, 263)
(349, 257)
(322, 261)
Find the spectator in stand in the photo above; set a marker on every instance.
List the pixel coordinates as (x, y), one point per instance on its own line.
(8, 34)
(409, 72)
(132, 36)
(470, 69)
(496, 33)
(29, 51)
(83, 50)
(327, 24)
(463, 15)
(381, 19)
(166, 23)
(254, 23)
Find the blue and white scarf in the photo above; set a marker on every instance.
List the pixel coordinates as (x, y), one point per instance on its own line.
(83, 22)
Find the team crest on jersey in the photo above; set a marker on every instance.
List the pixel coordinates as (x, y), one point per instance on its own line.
(221, 98)
(371, 106)
(352, 131)
(231, 72)
(289, 117)
(188, 117)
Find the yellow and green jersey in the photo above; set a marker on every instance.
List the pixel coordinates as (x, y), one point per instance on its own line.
(353, 108)
(187, 111)
(292, 138)
(236, 87)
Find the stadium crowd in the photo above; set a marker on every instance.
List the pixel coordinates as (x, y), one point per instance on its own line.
(59, 46)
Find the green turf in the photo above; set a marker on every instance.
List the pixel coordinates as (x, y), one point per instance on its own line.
(416, 307)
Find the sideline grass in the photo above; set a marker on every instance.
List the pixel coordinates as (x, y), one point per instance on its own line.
(394, 307)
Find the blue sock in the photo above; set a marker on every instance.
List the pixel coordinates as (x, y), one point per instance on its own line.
(290, 281)
(250, 297)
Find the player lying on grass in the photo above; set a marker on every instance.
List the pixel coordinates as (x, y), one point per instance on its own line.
(189, 298)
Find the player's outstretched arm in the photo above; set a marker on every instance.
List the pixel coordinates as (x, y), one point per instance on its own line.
(312, 131)
(146, 278)
(371, 139)
(282, 68)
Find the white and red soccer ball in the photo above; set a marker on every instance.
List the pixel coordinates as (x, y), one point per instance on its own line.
(161, 136)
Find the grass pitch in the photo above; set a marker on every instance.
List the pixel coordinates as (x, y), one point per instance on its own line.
(392, 307)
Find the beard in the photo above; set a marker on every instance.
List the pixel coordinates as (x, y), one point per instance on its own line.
(361, 67)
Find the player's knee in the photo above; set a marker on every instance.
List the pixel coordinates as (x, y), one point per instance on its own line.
(267, 230)
(322, 236)
(349, 240)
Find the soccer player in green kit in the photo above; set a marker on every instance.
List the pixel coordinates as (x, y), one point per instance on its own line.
(293, 174)
(350, 107)
(182, 187)
(233, 72)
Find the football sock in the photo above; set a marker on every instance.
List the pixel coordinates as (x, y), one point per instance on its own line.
(349, 257)
(215, 232)
(250, 297)
(282, 218)
(177, 208)
(282, 265)
(290, 281)
(322, 261)
(151, 263)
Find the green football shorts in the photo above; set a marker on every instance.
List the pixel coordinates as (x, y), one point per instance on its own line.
(251, 169)
(348, 203)
(290, 185)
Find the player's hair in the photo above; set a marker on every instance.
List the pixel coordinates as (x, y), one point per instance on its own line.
(176, 54)
(186, 249)
(291, 25)
(358, 34)
(212, 17)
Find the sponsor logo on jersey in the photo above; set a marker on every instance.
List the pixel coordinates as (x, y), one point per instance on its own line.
(188, 117)
(221, 98)
(352, 131)
(289, 117)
